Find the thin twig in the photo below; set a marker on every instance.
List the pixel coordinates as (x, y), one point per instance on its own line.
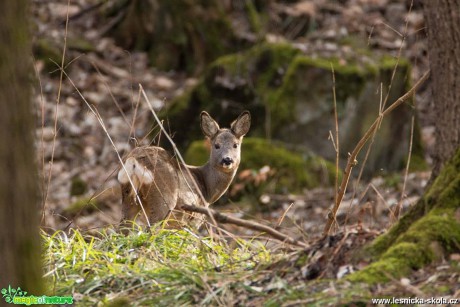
(352, 157)
(96, 67)
(406, 172)
(398, 57)
(337, 144)
(225, 219)
(379, 195)
(366, 156)
(56, 112)
(42, 142)
(382, 102)
(101, 122)
(133, 124)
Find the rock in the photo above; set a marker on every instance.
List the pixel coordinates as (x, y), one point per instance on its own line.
(291, 98)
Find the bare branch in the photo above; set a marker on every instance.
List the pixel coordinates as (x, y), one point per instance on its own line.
(352, 157)
(226, 219)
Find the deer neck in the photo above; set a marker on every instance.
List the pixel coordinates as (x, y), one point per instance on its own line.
(212, 182)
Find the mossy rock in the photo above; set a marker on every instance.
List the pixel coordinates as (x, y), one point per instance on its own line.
(291, 98)
(229, 85)
(82, 205)
(293, 171)
(427, 232)
(178, 35)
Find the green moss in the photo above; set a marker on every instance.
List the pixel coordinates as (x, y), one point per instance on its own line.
(301, 260)
(119, 302)
(254, 17)
(80, 44)
(379, 272)
(438, 225)
(430, 227)
(446, 186)
(82, 204)
(417, 163)
(393, 180)
(262, 64)
(271, 61)
(383, 242)
(78, 186)
(226, 79)
(398, 261)
(442, 194)
(387, 62)
(350, 80)
(291, 94)
(283, 103)
(443, 290)
(293, 171)
(197, 153)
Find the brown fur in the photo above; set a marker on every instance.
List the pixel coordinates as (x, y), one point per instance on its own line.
(163, 184)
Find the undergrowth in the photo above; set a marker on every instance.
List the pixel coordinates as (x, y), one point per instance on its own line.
(160, 267)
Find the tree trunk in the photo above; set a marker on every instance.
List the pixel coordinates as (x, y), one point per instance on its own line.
(431, 229)
(19, 238)
(442, 19)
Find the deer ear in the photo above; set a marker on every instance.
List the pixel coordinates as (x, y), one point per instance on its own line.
(208, 125)
(241, 125)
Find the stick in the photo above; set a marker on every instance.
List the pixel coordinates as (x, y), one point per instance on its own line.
(352, 157)
(225, 219)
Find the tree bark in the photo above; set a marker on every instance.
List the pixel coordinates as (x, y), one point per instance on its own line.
(443, 25)
(19, 238)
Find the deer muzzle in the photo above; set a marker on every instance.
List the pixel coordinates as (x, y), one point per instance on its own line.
(227, 162)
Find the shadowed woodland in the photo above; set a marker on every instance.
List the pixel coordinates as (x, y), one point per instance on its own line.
(348, 189)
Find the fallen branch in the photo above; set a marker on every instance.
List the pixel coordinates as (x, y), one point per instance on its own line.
(352, 157)
(225, 219)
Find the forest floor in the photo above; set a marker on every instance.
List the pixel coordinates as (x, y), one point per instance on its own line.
(81, 196)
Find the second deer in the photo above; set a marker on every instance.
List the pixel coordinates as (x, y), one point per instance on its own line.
(162, 184)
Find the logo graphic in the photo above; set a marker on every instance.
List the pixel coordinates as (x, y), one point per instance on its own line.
(20, 297)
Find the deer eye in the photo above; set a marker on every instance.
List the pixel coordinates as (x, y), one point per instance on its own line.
(216, 146)
(235, 145)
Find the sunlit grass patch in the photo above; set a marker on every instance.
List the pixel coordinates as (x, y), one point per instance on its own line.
(143, 267)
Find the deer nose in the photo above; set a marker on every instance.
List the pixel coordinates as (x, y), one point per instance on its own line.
(227, 161)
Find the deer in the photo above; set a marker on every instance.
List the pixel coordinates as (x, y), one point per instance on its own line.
(156, 185)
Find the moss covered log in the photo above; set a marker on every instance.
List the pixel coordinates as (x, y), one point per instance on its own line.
(427, 232)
